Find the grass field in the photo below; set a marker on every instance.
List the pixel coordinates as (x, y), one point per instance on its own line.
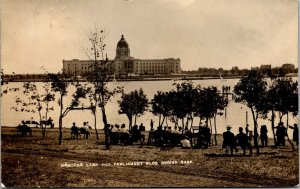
(41, 162)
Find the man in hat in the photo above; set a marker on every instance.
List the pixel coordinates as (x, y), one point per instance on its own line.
(229, 141)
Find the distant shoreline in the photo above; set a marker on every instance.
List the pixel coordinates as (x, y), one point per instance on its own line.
(148, 78)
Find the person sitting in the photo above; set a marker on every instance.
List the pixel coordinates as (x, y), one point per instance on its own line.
(85, 130)
(124, 135)
(87, 124)
(242, 141)
(229, 142)
(114, 134)
(74, 131)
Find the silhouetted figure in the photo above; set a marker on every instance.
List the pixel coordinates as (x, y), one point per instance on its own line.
(295, 133)
(264, 135)
(23, 129)
(114, 134)
(85, 131)
(137, 135)
(74, 131)
(151, 125)
(124, 135)
(207, 135)
(229, 142)
(142, 127)
(242, 141)
(50, 122)
(280, 134)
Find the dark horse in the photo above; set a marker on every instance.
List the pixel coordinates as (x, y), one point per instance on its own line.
(23, 130)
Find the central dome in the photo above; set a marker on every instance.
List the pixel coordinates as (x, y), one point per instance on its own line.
(122, 43)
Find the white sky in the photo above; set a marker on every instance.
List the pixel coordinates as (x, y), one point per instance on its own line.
(202, 33)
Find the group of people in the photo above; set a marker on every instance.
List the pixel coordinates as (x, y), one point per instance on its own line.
(230, 141)
(76, 131)
(123, 136)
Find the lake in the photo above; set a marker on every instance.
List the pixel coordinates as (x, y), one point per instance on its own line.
(236, 113)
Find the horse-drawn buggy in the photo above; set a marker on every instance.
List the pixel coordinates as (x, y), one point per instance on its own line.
(23, 130)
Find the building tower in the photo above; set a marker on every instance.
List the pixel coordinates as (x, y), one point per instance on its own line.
(123, 51)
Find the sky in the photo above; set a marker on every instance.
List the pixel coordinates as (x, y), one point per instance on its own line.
(202, 33)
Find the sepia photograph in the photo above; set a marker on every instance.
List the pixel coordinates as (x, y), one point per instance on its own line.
(140, 93)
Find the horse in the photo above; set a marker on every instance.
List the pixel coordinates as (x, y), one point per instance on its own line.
(23, 130)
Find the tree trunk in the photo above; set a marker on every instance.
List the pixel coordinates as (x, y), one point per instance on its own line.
(104, 119)
(273, 126)
(135, 119)
(41, 125)
(130, 122)
(162, 122)
(60, 130)
(60, 120)
(287, 127)
(95, 124)
(215, 123)
(255, 131)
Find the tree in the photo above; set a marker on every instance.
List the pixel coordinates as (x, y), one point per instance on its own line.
(209, 102)
(183, 102)
(133, 104)
(59, 83)
(99, 76)
(161, 106)
(285, 99)
(251, 91)
(83, 92)
(36, 101)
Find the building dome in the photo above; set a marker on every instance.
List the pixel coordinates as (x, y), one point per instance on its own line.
(122, 43)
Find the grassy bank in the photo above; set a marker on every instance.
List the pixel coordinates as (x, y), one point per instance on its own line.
(37, 162)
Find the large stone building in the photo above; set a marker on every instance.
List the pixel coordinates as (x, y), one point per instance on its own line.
(124, 64)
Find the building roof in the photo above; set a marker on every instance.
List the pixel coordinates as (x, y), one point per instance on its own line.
(122, 43)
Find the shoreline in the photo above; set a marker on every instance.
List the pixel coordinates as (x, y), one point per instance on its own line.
(145, 78)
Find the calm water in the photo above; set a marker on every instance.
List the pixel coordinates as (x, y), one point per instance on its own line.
(236, 113)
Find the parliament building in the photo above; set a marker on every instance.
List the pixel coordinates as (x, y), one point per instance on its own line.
(126, 64)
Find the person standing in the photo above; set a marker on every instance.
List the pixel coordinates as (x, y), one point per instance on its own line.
(151, 125)
(264, 135)
(295, 133)
(229, 141)
(280, 134)
(242, 141)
